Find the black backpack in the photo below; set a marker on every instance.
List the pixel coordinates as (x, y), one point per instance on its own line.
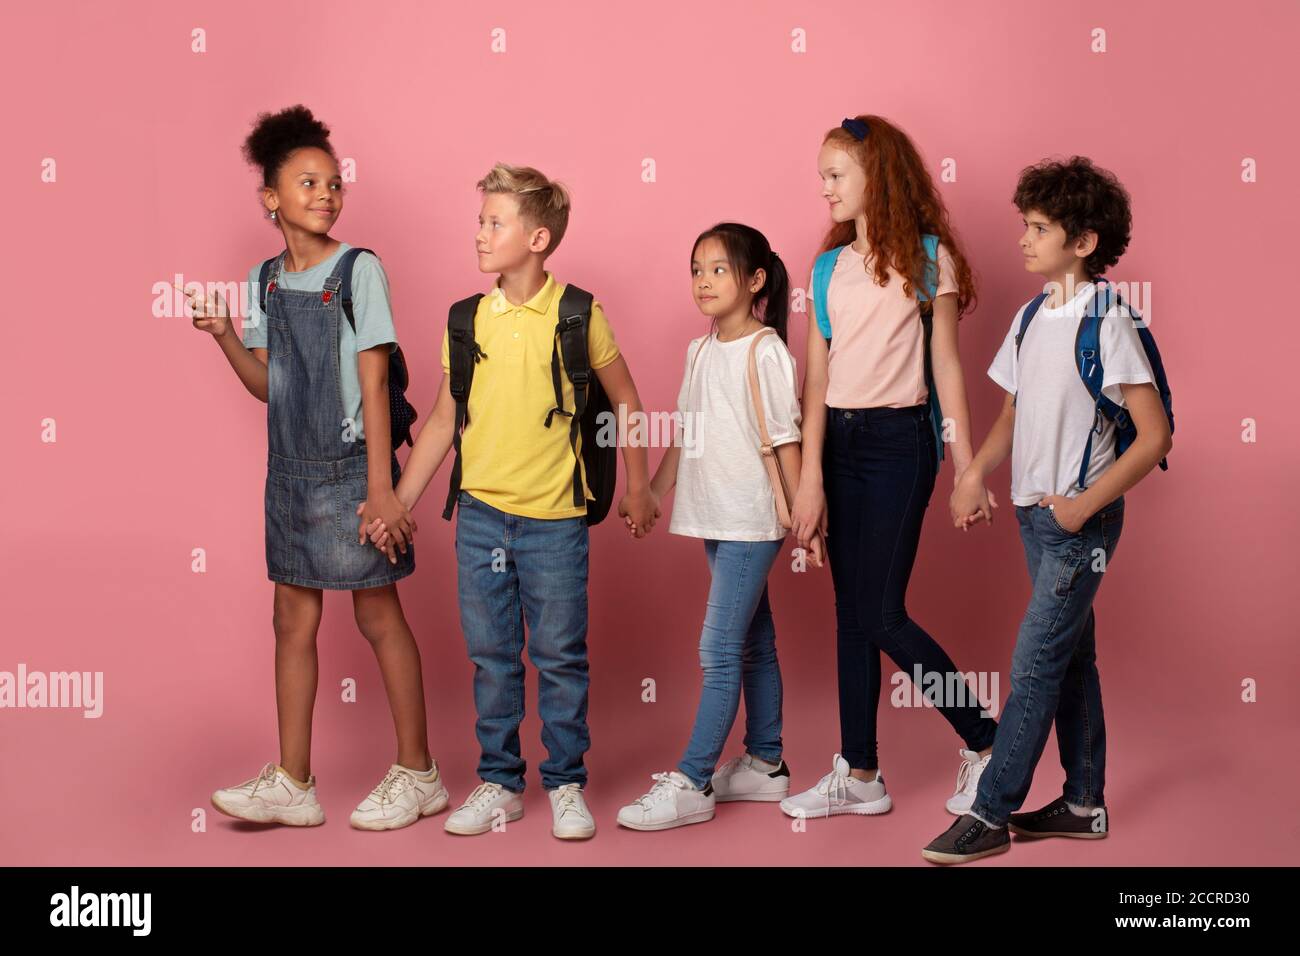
(401, 413)
(590, 400)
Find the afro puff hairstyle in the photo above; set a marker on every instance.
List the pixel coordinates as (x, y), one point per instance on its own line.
(276, 135)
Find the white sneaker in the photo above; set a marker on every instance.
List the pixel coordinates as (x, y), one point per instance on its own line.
(739, 779)
(482, 809)
(673, 801)
(968, 781)
(570, 818)
(272, 797)
(402, 797)
(839, 792)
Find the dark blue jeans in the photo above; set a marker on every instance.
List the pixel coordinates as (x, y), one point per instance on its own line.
(1054, 666)
(514, 569)
(879, 471)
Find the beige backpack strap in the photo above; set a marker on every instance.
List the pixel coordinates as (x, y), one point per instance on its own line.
(780, 488)
(690, 374)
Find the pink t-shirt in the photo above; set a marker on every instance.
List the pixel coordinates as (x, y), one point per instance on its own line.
(877, 355)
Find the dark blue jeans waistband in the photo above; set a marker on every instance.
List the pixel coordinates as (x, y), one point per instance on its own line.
(879, 413)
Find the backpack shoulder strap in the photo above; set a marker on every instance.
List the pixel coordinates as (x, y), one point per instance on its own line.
(931, 283)
(823, 266)
(341, 281)
(925, 300)
(270, 272)
(463, 353)
(1031, 309)
(690, 372)
(571, 343)
(1087, 340)
(780, 488)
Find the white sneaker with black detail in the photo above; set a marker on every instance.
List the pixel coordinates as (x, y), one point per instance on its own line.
(748, 778)
(673, 801)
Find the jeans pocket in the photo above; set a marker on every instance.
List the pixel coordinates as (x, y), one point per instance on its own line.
(1051, 516)
(1072, 563)
(277, 336)
(348, 494)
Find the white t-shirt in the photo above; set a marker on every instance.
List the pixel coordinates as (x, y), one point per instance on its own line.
(1054, 411)
(723, 491)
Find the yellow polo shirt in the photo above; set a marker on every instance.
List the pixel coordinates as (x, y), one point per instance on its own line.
(510, 459)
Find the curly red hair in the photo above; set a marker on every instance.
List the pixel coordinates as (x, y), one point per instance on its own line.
(902, 204)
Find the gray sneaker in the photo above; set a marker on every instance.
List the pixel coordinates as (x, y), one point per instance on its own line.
(966, 840)
(839, 792)
(1058, 820)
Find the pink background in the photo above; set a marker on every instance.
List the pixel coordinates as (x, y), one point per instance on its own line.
(161, 451)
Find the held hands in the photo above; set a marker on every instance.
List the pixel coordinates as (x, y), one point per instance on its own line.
(388, 523)
(210, 314)
(639, 510)
(971, 502)
(808, 521)
(817, 550)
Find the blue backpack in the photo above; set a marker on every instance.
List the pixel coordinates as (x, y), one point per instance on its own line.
(1087, 359)
(822, 269)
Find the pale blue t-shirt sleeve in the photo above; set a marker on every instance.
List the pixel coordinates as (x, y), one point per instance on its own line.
(371, 306)
(254, 326)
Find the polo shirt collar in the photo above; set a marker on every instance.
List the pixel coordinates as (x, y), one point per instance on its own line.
(539, 303)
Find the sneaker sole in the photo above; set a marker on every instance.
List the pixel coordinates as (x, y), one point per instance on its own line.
(462, 830)
(883, 805)
(573, 834)
(776, 796)
(286, 816)
(1037, 834)
(437, 806)
(700, 816)
(934, 856)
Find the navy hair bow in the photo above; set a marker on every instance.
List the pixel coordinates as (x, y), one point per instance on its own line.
(857, 128)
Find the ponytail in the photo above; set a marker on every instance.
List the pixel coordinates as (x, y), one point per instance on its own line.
(748, 251)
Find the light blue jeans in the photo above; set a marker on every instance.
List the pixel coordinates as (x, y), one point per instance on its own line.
(737, 651)
(514, 570)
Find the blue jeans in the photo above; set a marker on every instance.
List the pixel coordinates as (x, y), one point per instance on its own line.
(1054, 666)
(737, 650)
(514, 569)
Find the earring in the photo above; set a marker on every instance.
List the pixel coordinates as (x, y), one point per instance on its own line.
(273, 215)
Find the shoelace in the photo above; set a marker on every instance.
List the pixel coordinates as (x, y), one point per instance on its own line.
(394, 782)
(568, 799)
(963, 776)
(833, 781)
(267, 776)
(662, 789)
(964, 782)
(483, 794)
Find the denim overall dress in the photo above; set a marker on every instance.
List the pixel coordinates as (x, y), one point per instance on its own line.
(315, 475)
